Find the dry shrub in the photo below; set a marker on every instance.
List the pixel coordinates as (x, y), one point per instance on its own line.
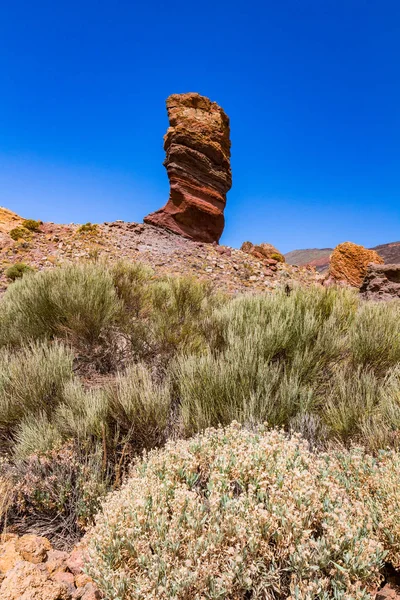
(90, 228)
(6, 489)
(239, 514)
(56, 494)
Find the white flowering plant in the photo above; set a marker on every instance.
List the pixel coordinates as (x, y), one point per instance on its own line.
(236, 514)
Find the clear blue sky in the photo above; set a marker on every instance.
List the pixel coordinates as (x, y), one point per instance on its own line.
(312, 88)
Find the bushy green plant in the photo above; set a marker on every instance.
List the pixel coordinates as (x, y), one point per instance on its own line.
(82, 414)
(375, 337)
(35, 434)
(75, 302)
(20, 233)
(276, 357)
(131, 283)
(181, 307)
(237, 514)
(31, 225)
(138, 408)
(17, 271)
(88, 228)
(31, 381)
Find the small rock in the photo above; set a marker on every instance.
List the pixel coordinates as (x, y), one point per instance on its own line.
(82, 579)
(56, 561)
(90, 592)
(76, 562)
(33, 548)
(390, 591)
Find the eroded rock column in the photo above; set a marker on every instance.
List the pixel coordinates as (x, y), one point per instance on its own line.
(197, 147)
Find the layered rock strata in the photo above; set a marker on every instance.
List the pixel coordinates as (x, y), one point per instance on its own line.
(197, 147)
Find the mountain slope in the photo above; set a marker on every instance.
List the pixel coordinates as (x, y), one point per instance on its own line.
(319, 257)
(167, 253)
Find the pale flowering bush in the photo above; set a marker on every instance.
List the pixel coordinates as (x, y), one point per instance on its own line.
(233, 513)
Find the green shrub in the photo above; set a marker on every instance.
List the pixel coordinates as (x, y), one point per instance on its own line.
(138, 408)
(276, 358)
(88, 228)
(31, 225)
(131, 283)
(180, 309)
(82, 414)
(17, 271)
(20, 232)
(237, 514)
(352, 398)
(279, 257)
(35, 434)
(375, 339)
(31, 381)
(75, 302)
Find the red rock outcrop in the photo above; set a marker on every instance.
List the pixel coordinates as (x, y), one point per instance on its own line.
(197, 147)
(382, 282)
(349, 263)
(265, 252)
(31, 570)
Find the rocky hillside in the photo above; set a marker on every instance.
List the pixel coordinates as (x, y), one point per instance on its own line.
(167, 253)
(389, 252)
(319, 257)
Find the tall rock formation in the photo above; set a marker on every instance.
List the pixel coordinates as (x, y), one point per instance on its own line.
(197, 147)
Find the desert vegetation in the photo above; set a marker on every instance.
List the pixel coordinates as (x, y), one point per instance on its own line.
(102, 362)
(234, 513)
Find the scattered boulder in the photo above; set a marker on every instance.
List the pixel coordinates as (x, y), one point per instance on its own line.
(197, 160)
(265, 252)
(349, 263)
(381, 282)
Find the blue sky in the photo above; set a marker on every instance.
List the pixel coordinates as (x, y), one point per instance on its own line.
(312, 88)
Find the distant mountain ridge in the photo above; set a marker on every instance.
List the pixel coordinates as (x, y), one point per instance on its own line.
(319, 257)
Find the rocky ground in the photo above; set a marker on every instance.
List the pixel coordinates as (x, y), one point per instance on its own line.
(30, 569)
(229, 269)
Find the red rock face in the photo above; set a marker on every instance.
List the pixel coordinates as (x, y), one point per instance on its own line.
(349, 263)
(197, 160)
